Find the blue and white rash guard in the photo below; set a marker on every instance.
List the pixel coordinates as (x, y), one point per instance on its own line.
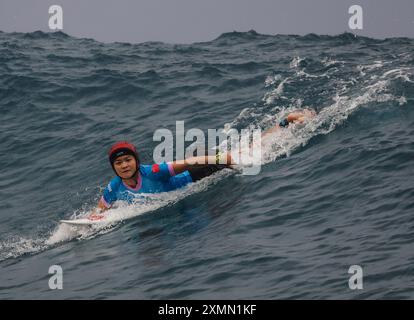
(151, 179)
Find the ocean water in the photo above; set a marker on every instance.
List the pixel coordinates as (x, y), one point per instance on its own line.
(335, 192)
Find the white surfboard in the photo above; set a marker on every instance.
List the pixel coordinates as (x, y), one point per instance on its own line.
(84, 222)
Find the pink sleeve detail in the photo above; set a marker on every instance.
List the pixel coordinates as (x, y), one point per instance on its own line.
(171, 169)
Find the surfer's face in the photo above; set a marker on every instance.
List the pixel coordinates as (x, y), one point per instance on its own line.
(125, 166)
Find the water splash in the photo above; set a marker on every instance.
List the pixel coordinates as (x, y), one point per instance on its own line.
(145, 204)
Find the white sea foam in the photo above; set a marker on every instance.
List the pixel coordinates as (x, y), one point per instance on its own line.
(284, 142)
(328, 61)
(296, 62)
(17, 246)
(270, 96)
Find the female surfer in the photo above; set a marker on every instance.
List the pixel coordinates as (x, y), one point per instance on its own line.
(133, 177)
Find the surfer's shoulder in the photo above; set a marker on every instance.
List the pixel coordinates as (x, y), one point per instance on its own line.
(145, 169)
(114, 184)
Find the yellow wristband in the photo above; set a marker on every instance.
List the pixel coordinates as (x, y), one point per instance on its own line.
(218, 158)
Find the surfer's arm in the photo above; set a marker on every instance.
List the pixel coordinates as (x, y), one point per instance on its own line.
(96, 213)
(183, 165)
(102, 206)
(298, 117)
(105, 203)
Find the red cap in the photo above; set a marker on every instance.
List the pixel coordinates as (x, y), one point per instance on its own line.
(122, 148)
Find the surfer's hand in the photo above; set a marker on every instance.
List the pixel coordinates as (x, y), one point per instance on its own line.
(97, 212)
(300, 116)
(100, 208)
(296, 117)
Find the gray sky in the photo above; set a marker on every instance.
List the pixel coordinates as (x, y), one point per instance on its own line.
(186, 21)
